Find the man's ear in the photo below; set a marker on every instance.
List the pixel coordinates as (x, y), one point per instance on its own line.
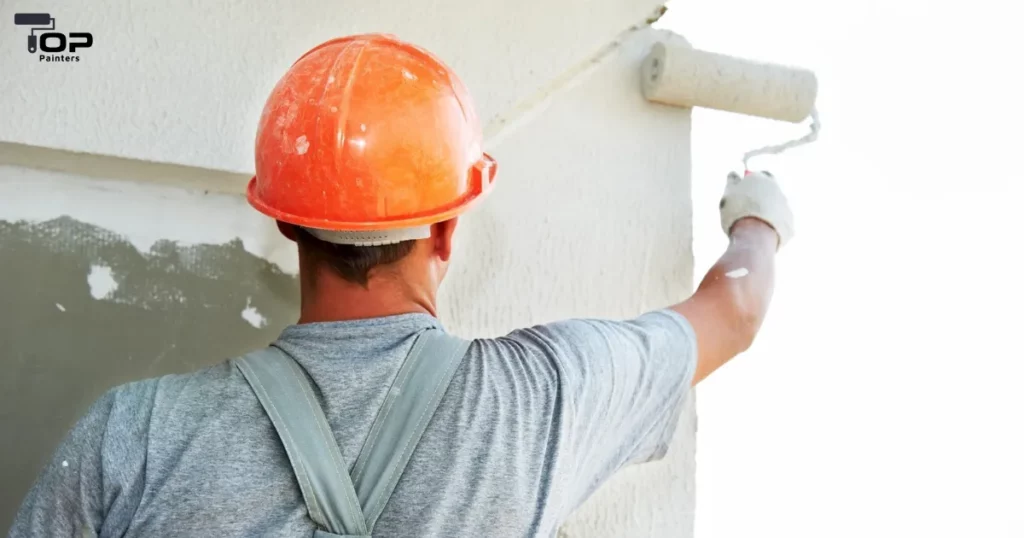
(287, 230)
(442, 234)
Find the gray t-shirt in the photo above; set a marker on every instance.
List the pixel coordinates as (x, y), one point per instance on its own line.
(531, 425)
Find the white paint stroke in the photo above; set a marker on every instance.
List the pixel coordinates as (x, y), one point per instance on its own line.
(61, 307)
(64, 463)
(253, 316)
(101, 282)
(738, 273)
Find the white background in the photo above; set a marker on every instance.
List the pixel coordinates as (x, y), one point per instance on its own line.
(883, 396)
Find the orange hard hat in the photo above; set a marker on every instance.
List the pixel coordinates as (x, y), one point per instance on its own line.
(369, 140)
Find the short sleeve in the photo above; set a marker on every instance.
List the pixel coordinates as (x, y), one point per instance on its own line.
(94, 481)
(624, 384)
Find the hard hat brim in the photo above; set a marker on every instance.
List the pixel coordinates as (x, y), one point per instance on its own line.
(484, 177)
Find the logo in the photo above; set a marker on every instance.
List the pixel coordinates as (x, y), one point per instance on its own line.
(50, 43)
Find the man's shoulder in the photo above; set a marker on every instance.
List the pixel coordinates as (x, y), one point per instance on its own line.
(201, 380)
(174, 398)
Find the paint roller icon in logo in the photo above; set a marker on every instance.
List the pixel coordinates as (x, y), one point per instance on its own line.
(49, 40)
(41, 21)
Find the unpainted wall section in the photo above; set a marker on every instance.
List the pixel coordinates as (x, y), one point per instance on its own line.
(107, 281)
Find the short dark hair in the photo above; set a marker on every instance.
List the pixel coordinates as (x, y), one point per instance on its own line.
(353, 263)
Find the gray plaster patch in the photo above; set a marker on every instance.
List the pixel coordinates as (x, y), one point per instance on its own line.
(84, 310)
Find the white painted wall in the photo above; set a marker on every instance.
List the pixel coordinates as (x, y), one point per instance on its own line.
(184, 82)
(591, 216)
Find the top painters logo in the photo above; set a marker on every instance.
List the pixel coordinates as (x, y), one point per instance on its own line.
(51, 43)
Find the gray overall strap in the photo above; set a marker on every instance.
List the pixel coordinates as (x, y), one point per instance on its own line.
(340, 504)
(287, 397)
(410, 404)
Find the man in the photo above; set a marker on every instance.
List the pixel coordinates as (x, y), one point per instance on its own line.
(366, 418)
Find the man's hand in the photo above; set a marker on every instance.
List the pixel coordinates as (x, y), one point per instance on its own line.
(731, 302)
(756, 195)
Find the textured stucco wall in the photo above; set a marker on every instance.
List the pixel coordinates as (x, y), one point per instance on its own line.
(125, 97)
(114, 268)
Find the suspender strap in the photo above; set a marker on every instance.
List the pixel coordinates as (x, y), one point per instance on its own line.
(410, 404)
(340, 504)
(286, 395)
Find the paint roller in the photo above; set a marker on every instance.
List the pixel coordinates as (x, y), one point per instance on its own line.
(676, 74)
(43, 21)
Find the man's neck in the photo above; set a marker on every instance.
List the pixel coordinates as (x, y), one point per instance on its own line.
(334, 299)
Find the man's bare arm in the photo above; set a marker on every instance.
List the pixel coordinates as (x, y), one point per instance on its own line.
(731, 302)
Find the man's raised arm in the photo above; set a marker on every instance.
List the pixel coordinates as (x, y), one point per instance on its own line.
(731, 302)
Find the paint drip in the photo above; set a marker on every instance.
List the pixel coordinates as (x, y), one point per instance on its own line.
(301, 145)
(738, 273)
(253, 316)
(101, 282)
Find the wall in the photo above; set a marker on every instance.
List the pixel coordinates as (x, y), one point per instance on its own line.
(127, 252)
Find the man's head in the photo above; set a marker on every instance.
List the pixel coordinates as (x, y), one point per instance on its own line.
(367, 151)
(415, 266)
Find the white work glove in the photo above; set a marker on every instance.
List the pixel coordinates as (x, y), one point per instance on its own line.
(756, 194)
